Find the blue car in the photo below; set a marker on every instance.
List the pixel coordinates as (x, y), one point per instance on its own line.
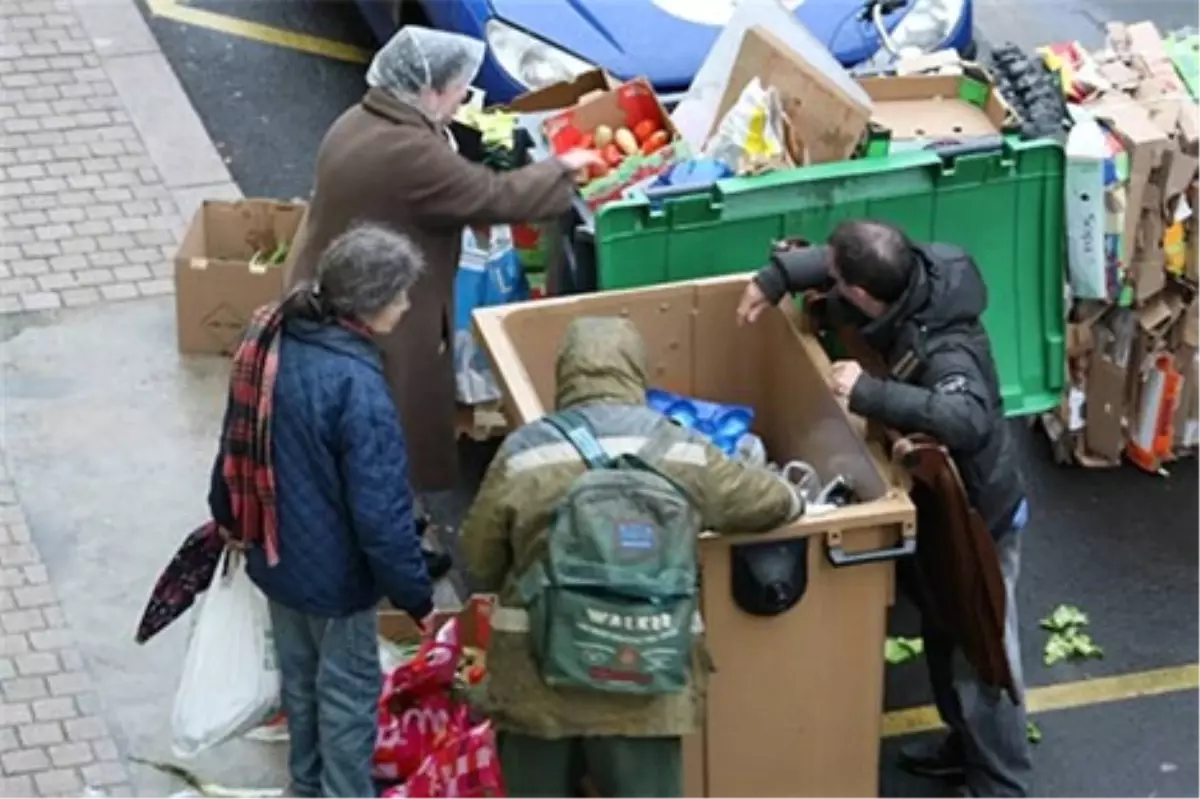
(533, 43)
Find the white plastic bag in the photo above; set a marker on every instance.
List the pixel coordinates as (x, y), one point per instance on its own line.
(752, 129)
(230, 679)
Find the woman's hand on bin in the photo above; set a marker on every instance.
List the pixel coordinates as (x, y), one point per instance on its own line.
(752, 304)
(575, 160)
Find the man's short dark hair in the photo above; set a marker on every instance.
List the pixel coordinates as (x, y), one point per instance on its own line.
(875, 256)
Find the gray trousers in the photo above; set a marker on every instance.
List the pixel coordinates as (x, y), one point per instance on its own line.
(985, 723)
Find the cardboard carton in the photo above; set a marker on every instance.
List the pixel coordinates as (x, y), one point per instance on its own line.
(1145, 143)
(815, 669)
(216, 288)
(1192, 260)
(925, 108)
(823, 116)
(623, 107)
(564, 94)
(1107, 384)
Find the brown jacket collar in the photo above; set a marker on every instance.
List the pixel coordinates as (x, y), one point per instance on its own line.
(382, 103)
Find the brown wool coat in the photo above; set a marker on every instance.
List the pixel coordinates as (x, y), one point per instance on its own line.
(385, 162)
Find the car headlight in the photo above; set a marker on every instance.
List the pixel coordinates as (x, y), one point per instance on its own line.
(530, 60)
(928, 25)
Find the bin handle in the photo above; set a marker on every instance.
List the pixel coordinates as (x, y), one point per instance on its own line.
(839, 557)
(659, 193)
(957, 149)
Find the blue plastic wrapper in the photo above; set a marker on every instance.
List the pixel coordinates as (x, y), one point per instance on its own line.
(722, 424)
(697, 172)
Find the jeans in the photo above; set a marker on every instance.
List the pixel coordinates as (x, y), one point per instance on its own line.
(984, 721)
(329, 669)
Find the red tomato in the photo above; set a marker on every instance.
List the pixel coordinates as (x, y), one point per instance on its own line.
(587, 142)
(612, 155)
(644, 129)
(656, 141)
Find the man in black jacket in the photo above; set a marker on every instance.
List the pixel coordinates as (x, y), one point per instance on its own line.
(919, 307)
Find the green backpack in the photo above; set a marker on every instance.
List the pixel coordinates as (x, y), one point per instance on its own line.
(612, 605)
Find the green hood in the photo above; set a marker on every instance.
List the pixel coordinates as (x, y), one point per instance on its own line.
(602, 359)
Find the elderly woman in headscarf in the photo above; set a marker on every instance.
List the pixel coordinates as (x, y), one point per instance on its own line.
(391, 160)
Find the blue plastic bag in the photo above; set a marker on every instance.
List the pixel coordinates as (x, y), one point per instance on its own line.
(489, 273)
(722, 424)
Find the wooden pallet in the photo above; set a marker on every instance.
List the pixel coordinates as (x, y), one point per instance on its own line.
(480, 422)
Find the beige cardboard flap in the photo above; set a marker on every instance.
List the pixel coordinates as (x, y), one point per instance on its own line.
(1181, 171)
(826, 119)
(1191, 325)
(1156, 317)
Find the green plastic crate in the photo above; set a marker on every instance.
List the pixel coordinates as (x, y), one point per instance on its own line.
(1005, 207)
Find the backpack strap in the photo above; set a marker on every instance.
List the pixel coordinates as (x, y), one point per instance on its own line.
(574, 427)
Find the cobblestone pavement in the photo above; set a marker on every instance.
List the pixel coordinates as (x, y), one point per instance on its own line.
(84, 217)
(84, 213)
(53, 738)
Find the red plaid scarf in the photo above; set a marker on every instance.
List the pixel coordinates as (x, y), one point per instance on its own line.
(246, 439)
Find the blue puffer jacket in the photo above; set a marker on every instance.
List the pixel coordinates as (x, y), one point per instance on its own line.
(346, 527)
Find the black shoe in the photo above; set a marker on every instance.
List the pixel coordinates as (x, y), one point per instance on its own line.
(439, 564)
(941, 759)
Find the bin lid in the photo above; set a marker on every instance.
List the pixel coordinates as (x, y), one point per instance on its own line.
(1003, 205)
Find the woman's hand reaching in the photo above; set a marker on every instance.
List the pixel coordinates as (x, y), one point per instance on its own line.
(575, 160)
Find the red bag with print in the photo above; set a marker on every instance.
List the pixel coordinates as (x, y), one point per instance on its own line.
(463, 764)
(415, 707)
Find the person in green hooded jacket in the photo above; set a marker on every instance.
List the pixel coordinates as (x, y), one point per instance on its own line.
(629, 745)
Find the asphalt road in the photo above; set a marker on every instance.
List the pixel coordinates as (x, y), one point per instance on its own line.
(1119, 544)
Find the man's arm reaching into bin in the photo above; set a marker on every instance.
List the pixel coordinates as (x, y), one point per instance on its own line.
(950, 403)
(737, 497)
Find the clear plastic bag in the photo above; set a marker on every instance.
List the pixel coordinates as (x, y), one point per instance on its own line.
(230, 679)
(752, 131)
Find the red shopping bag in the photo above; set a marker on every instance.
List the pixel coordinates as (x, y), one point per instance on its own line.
(464, 764)
(415, 707)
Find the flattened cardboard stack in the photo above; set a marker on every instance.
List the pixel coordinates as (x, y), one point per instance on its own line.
(1132, 362)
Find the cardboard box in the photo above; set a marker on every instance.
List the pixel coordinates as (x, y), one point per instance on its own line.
(564, 94)
(1145, 144)
(1192, 264)
(827, 121)
(823, 679)
(1107, 385)
(216, 289)
(1187, 413)
(623, 107)
(474, 620)
(925, 108)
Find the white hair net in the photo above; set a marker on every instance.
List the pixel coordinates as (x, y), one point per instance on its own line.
(417, 58)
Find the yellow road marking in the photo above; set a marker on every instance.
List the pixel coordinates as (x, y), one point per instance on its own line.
(255, 31)
(1065, 696)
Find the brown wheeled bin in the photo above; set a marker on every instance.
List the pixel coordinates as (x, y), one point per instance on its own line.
(795, 705)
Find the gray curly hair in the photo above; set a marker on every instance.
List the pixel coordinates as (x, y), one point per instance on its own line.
(364, 270)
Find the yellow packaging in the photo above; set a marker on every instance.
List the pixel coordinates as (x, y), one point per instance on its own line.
(1175, 248)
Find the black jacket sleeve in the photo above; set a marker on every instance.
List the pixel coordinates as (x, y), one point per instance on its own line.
(794, 271)
(950, 403)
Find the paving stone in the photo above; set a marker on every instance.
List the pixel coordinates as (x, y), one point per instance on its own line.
(85, 218)
(44, 734)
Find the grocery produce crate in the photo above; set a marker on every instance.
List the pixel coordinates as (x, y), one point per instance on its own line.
(1003, 204)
